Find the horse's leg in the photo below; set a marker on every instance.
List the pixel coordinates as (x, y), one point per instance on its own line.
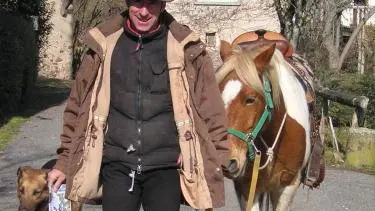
(282, 199)
(240, 193)
(256, 204)
(265, 202)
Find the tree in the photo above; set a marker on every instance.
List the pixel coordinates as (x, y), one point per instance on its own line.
(332, 11)
(294, 16)
(87, 14)
(351, 40)
(316, 22)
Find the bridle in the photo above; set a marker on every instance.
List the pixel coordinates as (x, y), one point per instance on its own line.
(249, 137)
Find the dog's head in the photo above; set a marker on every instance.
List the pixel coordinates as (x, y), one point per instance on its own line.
(32, 188)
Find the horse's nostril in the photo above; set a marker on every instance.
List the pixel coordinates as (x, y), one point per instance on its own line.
(232, 166)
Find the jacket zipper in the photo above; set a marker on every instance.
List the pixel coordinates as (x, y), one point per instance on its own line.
(139, 106)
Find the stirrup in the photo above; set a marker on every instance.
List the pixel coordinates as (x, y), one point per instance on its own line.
(314, 172)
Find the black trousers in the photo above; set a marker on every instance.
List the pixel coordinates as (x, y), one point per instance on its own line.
(156, 190)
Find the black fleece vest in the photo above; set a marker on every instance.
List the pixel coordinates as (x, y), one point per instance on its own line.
(141, 128)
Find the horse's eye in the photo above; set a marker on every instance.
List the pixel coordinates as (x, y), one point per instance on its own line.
(249, 100)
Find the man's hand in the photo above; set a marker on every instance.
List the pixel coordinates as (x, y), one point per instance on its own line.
(56, 178)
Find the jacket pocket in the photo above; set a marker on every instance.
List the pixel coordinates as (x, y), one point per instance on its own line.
(86, 183)
(160, 79)
(192, 187)
(193, 182)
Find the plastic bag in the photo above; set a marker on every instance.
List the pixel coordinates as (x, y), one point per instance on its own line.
(57, 201)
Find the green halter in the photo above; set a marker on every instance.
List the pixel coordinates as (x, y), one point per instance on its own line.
(248, 138)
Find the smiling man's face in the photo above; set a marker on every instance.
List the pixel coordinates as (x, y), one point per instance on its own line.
(144, 14)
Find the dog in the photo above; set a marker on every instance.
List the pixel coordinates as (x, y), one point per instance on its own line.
(32, 188)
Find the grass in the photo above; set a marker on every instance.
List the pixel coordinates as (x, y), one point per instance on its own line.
(330, 160)
(9, 130)
(52, 82)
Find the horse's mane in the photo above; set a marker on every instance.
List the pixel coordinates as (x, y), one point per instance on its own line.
(242, 61)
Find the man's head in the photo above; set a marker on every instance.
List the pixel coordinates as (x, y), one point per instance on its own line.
(144, 14)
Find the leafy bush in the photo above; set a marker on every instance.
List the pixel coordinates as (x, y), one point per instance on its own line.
(27, 8)
(19, 46)
(18, 61)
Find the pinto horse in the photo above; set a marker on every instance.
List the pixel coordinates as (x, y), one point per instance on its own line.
(268, 113)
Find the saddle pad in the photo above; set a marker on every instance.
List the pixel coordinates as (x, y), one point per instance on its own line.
(302, 69)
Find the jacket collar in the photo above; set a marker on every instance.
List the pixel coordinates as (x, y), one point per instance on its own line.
(95, 38)
(156, 34)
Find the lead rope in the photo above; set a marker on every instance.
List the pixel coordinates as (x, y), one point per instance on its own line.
(270, 151)
(256, 168)
(253, 183)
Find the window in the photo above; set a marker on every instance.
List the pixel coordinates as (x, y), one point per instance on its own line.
(219, 2)
(211, 39)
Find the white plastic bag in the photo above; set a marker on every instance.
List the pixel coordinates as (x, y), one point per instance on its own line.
(57, 201)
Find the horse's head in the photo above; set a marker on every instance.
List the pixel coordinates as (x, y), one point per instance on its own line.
(241, 80)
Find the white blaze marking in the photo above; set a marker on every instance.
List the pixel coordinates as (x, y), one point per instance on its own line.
(230, 92)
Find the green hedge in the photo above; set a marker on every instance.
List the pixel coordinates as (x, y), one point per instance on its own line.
(18, 60)
(20, 45)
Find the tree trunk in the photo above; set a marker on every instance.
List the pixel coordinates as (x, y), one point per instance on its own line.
(329, 34)
(342, 97)
(353, 36)
(87, 14)
(360, 103)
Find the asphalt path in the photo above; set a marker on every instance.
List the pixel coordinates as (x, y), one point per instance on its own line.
(39, 137)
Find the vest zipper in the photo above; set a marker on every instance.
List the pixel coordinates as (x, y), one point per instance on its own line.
(139, 106)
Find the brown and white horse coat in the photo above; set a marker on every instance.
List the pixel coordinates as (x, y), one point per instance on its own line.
(241, 84)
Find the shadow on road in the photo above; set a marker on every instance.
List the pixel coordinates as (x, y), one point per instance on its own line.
(48, 92)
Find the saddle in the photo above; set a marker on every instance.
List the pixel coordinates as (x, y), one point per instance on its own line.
(261, 38)
(315, 171)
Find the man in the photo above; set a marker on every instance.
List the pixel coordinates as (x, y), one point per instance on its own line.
(146, 89)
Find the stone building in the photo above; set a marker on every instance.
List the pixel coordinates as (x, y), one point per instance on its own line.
(219, 20)
(215, 20)
(56, 61)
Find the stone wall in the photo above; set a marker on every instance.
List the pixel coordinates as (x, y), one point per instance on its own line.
(220, 22)
(360, 147)
(56, 60)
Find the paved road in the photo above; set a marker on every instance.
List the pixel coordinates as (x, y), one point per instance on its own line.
(39, 137)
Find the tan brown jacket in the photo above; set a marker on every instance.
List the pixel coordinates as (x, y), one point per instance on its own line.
(85, 116)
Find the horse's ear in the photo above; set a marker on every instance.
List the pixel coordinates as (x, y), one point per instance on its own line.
(225, 50)
(264, 57)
